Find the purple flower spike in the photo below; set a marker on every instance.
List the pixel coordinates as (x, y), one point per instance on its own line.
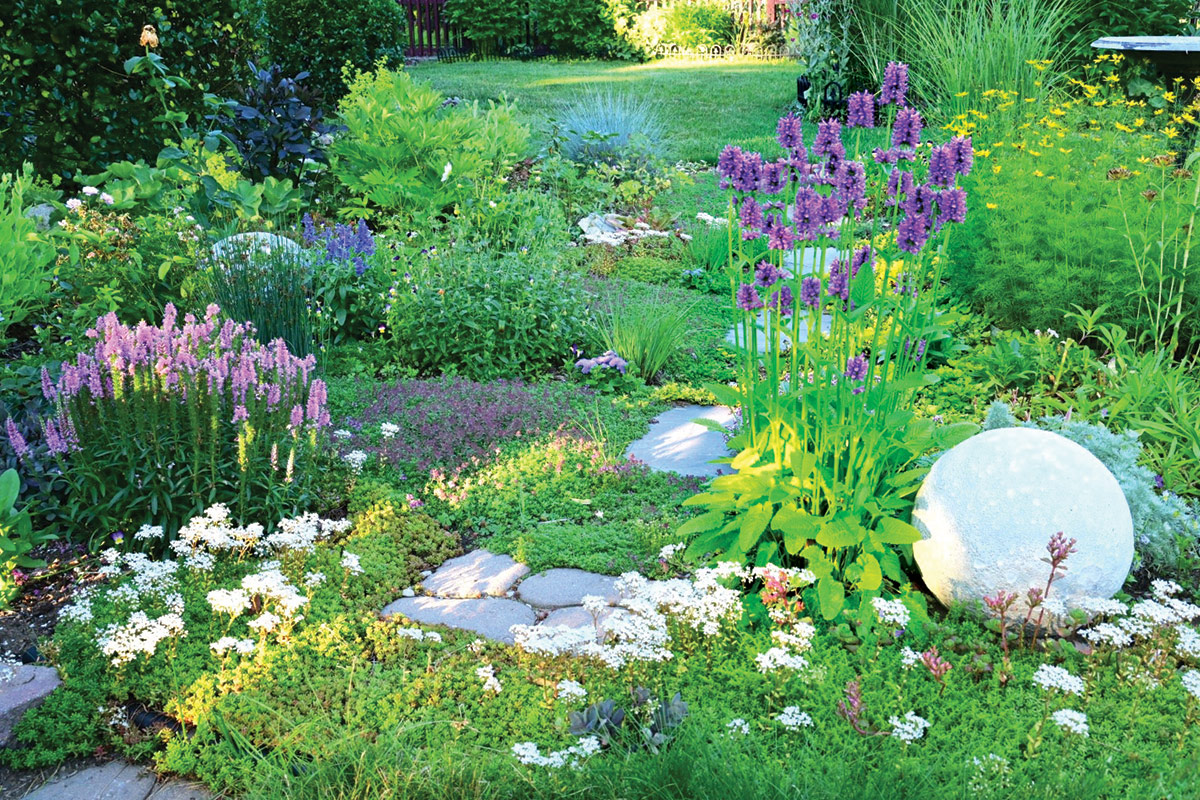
(789, 132)
(912, 233)
(19, 445)
(964, 154)
(829, 141)
(856, 368)
(861, 110)
(907, 130)
(810, 291)
(941, 164)
(782, 300)
(766, 274)
(747, 298)
(895, 84)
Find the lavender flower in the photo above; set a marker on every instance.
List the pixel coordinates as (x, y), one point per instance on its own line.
(839, 280)
(751, 216)
(862, 255)
(906, 132)
(783, 301)
(749, 173)
(900, 184)
(829, 141)
(889, 156)
(19, 445)
(747, 298)
(912, 233)
(941, 164)
(810, 291)
(895, 84)
(728, 163)
(789, 133)
(856, 368)
(775, 177)
(861, 110)
(964, 154)
(953, 205)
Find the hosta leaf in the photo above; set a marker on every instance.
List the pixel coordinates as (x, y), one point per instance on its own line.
(754, 522)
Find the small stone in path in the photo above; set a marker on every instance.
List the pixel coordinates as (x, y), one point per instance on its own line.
(478, 573)
(580, 618)
(491, 616)
(22, 687)
(556, 588)
(116, 780)
(677, 444)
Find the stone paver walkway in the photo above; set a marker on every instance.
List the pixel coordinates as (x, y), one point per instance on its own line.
(734, 336)
(556, 595)
(677, 444)
(22, 687)
(116, 780)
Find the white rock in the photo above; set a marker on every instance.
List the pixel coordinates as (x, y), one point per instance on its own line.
(989, 506)
(409, 592)
(255, 245)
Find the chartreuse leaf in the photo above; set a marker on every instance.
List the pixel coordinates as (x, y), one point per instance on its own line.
(797, 526)
(10, 487)
(841, 531)
(754, 522)
(872, 576)
(704, 522)
(726, 395)
(832, 595)
(890, 530)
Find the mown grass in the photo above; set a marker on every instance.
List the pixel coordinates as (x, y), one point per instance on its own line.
(705, 105)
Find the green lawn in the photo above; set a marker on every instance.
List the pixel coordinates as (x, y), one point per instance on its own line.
(705, 105)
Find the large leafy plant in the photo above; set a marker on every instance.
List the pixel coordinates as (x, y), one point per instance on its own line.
(827, 465)
(16, 536)
(26, 259)
(405, 152)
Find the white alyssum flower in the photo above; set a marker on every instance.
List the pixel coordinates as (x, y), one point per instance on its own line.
(1187, 644)
(529, 754)
(264, 623)
(357, 459)
(891, 612)
(388, 430)
(1054, 606)
(1164, 589)
(272, 586)
(909, 658)
(669, 550)
(300, 534)
(738, 725)
(910, 728)
(147, 532)
(1108, 634)
(79, 611)
(1191, 682)
(593, 604)
(140, 635)
(314, 579)
(1071, 721)
(1100, 606)
(418, 635)
(779, 658)
(343, 434)
(229, 601)
(227, 643)
(1049, 677)
(487, 674)
(571, 691)
(794, 719)
(351, 564)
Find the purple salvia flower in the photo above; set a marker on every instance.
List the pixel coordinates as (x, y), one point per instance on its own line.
(775, 177)
(856, 368)
(48, 389)
(808, 212)
(779, 235)
(54, 440)
(862, 255)
(749, 173)
(789, 133)
(953, 205)
(828, 143)
(941, 164)
(19, 445)
(920, 349)
(900, 184)
(895, 84)
(310, 230)
(810, 291)
(964, 154)
(782, 300)
(906, 132)
(861, 110)
(729, 161)
(751, 216)
(747, 298)
(921, 200)
(850, 181)
(882, 156)
(912, 233)
(839, 281)
(297, 418)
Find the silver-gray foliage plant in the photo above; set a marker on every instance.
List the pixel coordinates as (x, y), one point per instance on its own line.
(1162, 523)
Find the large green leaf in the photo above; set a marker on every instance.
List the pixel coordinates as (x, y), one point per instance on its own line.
(832, 596)
(10, 487)
(890, 530)
(754, 522)
(797, 526)
(841, 531)
(872, 576)
(704, 522)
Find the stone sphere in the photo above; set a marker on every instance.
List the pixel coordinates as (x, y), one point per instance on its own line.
(989, 506)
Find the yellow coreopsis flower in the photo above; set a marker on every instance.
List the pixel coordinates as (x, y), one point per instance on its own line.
(1123, 127)
(1139, 122)
(992, 206)
(1170, 132)
(996, 169)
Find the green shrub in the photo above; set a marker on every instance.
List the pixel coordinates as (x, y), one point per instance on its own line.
(506, 220)
(68, 103)
(648, 269)
(589, 28)
(321, 37)
(615, 128)
(645, 330)
(406, 154)
(488, 24)
(694, 25)
(484, 317)
(27, 258)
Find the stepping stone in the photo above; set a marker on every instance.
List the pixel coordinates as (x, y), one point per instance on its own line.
(677, 444)
(180, 790)
(578, 617)
(476, 574)
(491, 616)
(22, 687)
(810, 263)
(557, 588)
(116, 780)
(734, 335)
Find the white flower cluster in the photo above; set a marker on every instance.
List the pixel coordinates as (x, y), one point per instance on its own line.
(1050, 677)
(910, 728)
(1191, 682)
(300, 534)
(1144, 619)
(264, 623)
(351, 564)
(909, 658)
(487, 674)
(343, 434)
(794, 719)
(1071, 721)
(229, 601)
(79, 610)
(710, 220)
(669, 550)
(212, 533)
(1187, 645)
(148, 578)
(141, 634)
(228, 644)
(528, 753)
(593, 604)
(570, 691)
(620, 236)
(891, 612)
(357, 459)
(418, 635)
(1109, 634)
(314, 579)
(738, 725)
(273, 587)
(388, 430)
(779, 658)
(148, 532)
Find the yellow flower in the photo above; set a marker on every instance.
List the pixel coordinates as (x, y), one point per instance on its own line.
(962, 94)
(1037, 173)
(992, 206)
(1040, 66)
(1058, 112)
(1143, 159)
(1170, 132)
(1139, 122)
(996, 169)
(1112, 78)
(1065, 150)
(1169, 97)
(1123, 128)
(983, 153)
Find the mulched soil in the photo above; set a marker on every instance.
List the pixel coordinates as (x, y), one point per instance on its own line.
(29, 621)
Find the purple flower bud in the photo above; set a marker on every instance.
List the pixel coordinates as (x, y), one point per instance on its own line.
(766, 274)
(941, 164)
(964, 154)
(912, 233)
(19, 445)
(856, 368)
(953, 205)
(829, 141)
(782, 300)
(810, 291)
(751, 216)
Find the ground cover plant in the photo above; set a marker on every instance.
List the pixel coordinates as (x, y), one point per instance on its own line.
(265, 387)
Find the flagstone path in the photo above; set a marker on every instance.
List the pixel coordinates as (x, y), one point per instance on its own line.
(453, 596)
(677, 444)
(116, 780)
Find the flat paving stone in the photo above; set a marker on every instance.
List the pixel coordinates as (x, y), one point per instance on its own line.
(556, 588)
(180, 790)
(116, 780)
(22, 687)
(810, 262)
(489, 616)
(734, 336)
(677, 444)
(580, 618)
(477, 574)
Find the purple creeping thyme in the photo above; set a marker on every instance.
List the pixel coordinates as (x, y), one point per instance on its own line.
(609, 360)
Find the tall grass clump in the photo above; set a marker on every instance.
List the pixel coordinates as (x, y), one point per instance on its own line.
(959, 48)
(610, 126)
(645, 330)
(265, 279)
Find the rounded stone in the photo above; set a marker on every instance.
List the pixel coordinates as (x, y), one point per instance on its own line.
(989, 506)
(557, 588)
